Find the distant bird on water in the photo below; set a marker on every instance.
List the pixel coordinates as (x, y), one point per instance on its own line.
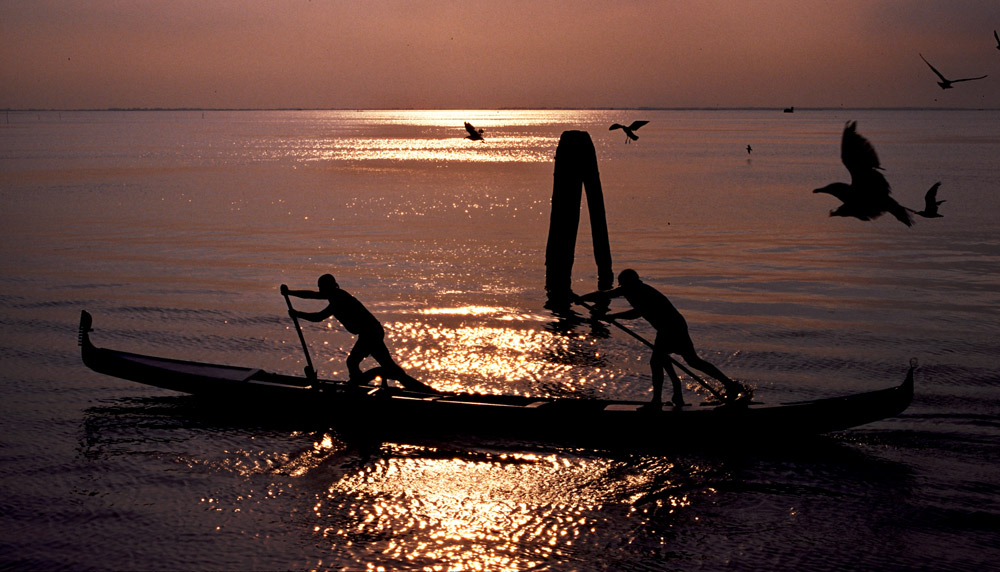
(931, 203)
(630, 130)
(867, 197)
(749, 149)
(474, 134)
(945, 83)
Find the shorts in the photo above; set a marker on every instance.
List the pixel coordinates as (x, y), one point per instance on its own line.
(673, 343)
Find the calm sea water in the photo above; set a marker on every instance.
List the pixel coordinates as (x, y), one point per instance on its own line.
(175, 229)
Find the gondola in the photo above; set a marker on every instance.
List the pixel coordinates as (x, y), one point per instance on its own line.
(600, 422)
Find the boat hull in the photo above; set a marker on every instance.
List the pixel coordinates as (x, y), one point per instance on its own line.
(394, 410)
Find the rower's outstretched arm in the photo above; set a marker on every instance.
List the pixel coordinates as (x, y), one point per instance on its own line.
(311, 295)
(600, 295)
(307, 294)
(626, 315)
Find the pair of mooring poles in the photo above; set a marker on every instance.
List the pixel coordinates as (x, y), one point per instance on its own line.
(575, 170)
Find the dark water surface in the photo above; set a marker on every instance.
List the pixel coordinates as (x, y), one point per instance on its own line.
(175, 229)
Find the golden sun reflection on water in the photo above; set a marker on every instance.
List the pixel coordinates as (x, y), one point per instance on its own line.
(430, 509)
(502, 352)
(495, 512)
(464, 311)
(431, 150)
(423, 507)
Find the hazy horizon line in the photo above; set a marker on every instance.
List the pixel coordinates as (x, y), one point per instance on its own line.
(363, 109)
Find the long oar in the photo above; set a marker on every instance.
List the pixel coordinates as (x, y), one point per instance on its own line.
(310, 372)
(628, 331)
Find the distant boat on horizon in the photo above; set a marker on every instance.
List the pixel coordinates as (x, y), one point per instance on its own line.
(790, 109)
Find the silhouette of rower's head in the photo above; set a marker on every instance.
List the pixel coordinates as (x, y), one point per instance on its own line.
(628, 277)
(327, 283)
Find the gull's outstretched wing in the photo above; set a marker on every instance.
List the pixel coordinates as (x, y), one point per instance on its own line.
(861, 161)
(930, 199)
(857, 152)
(933, 69)
(967, 79)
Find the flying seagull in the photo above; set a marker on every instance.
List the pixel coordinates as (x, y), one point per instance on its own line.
(749, 149)
(945, 83)
(474, 134)
(931, 203)
(867, 197)
(630, 130)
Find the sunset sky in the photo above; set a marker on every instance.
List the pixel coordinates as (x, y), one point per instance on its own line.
(477, 54)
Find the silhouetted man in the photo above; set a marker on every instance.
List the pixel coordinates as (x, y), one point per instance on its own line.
(671, 334)
(357, 320)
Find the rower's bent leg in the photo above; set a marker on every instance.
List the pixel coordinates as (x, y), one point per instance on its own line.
(392, 370)
(678, 397)
(656, 369)
(732, 388)
(358, 354)
(406, 380)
